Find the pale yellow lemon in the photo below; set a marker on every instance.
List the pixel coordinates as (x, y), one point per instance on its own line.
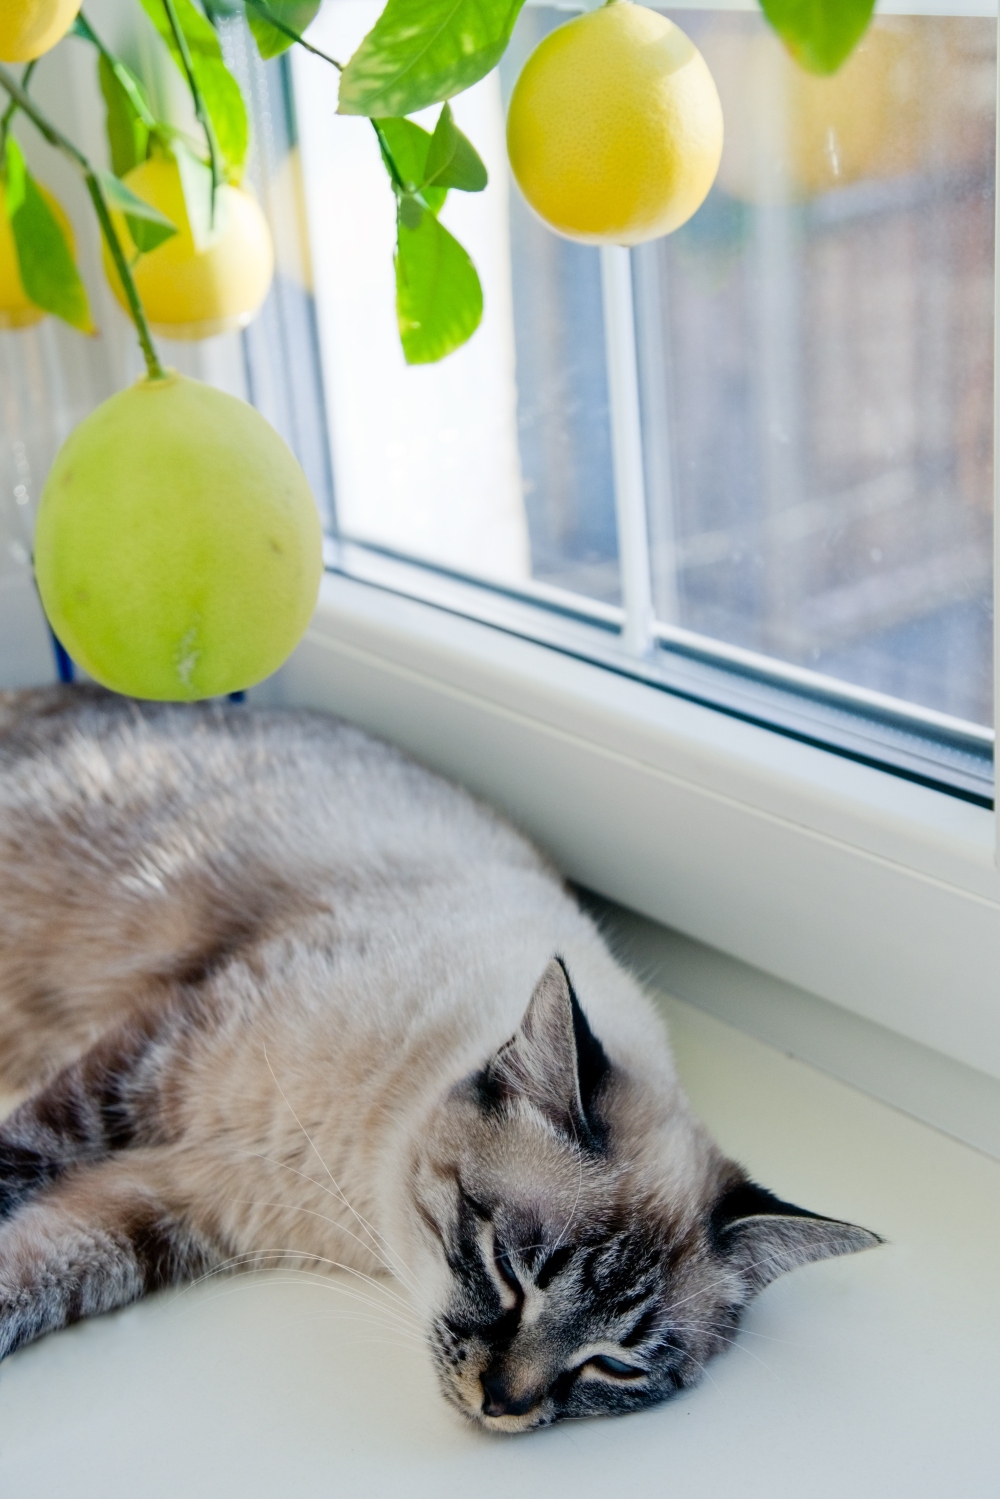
(16, 309)
(615, 130)
(178, 548)
(30, 27)
(190, 293)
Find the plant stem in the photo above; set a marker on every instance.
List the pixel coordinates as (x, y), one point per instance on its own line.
(265, 12)
(121, 72)
(61, 143)
(12, 109)
(154, 369)
(390, 160)
(204, 118)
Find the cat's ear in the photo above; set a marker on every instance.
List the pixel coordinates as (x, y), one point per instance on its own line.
(766, 1237)
(554, 1060)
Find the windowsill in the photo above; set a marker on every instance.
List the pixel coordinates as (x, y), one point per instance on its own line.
(871, 1375)
(961, 1101)
(876, 894)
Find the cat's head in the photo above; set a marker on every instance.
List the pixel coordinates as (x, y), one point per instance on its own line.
(588, 1247)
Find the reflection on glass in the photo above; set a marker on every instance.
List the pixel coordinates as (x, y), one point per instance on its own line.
(562, 409)
(563, 427)
(817, 364)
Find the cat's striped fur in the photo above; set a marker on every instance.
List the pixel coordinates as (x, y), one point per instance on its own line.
(245, 956)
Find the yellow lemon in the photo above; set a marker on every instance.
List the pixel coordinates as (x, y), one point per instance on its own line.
(190, 293)
(16, 310)
(615, 128)
(178, 549)
(30, 27)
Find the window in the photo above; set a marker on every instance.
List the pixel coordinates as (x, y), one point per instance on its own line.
(686, 558)
(755, 456)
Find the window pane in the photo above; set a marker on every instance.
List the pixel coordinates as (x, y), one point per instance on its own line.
(495, 462)
(563, 423)
(817, 364)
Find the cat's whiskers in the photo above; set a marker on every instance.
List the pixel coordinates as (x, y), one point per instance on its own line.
(370, 1249)
(253, 1260)
(710, 1286)
(410, 1346)
(322, 1283)
(742, 1332)
(369, 1228)
(412, 1287)
(731, 1340)
(298, 1208)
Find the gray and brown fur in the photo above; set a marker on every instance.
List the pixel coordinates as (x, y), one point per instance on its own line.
(274, 990)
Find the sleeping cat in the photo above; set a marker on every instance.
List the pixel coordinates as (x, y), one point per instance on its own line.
(279, 993)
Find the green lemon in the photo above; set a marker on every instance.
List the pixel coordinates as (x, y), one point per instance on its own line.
(178, 548)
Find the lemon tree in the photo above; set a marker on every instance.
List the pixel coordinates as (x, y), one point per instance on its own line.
(178, 548)
(418, 53)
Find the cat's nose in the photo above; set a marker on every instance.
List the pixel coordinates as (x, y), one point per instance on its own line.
(500, 1401)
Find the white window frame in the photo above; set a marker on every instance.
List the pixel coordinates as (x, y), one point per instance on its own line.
(864, 888)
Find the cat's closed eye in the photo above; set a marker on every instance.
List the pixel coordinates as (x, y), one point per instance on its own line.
(505, 1269)
(603, 1364)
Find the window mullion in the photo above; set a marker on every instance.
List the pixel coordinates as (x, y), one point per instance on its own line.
(626, 445)
(996, 476)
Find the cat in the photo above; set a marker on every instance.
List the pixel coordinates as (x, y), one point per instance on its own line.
(277, 993)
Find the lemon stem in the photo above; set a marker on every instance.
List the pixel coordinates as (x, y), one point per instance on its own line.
(124, 77)
(56, 138)
(390, 161)
(154, 369)
(265, 12)
(11, 111)
(204, 118)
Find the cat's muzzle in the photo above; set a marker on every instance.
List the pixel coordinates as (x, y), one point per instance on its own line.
(483, 1392)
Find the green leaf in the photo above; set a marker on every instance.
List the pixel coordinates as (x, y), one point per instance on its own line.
(44, 256)
(204, 219)
(439, 301)
(295, 14)
(146, 224)
(411, 211)
(420, 52)
(452, 160)
(820, 34)
(219, 88)
(409, 144)
(128, 136)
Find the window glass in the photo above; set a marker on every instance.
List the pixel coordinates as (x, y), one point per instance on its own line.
(817, 358)
(815, 363)
(495, 462)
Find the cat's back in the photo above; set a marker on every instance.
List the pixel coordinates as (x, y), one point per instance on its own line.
(168, 840)
(172, 784)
